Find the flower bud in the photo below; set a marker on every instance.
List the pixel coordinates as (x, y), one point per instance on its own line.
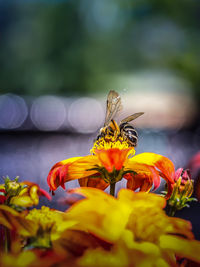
(12, 188)
(182, 189)
(184, 183)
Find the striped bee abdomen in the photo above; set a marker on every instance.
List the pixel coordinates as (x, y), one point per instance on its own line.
(129, 133)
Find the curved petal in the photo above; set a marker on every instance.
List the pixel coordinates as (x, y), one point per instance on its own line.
(15, 220)
(81, 168)
(143, 184)
(24, 201)
(129, 196)
(181, 247)
(29, 195)
(164, 164)
(178, 174)
(93, 182)
(41, 192)
(45, 194)
(58, 173)
(144, 177)
(98, 212)
(71, 169)
(92, 193)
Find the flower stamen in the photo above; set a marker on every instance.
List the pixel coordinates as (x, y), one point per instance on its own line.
(109, 142)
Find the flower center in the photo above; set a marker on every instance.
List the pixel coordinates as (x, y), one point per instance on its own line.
(109, 142)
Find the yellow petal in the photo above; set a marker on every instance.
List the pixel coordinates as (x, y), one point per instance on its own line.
(22, 201)
(15, 220)
(100, 213)
(24, 259)
(5, 214)
(164, 164)
(180, 227)
(2, 186)
(129, 196)
(34, 194)
(23, 191)
(80, 168)
(185, 248)
(58, 174)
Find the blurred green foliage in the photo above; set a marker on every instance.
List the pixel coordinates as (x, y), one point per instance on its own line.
(72, 47)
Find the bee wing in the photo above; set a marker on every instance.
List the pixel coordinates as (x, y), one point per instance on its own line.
(113, 106)
(132, 117)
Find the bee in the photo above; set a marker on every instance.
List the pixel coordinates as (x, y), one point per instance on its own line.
(124, 130)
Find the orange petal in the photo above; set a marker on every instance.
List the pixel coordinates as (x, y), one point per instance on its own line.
(144, 178)
(71, 169)
(164, 164)
(81, 167)
(59, 173)
(93, 182)
(41, 192)
(75, 242)
(133, 183)
(113, 157)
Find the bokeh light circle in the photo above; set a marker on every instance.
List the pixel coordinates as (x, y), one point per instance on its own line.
(48, 113)
(13, 111)
(86, 115)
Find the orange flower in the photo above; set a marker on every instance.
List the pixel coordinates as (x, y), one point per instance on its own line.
(108, 164)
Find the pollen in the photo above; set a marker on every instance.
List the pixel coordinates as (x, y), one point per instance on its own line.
(44, 217)
(109, 142)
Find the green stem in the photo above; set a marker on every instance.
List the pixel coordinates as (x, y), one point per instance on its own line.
(112, 189)
(172, 211)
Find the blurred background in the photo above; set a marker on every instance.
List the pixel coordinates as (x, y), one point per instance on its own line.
(60, 58)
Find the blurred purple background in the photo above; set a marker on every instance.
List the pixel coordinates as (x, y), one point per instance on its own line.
(59, 59)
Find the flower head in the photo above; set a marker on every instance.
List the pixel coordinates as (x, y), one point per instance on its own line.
(182, 190)
(109, 162)
(49, 225)
(21, 195)
(145, 230)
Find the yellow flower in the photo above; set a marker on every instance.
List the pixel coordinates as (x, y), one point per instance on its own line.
(109, 163)
(43, 228)
(137, 221)
(29, 195)
(20, 195)
(49, 225)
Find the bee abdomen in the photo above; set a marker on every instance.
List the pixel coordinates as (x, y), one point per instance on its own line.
(129, 132)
